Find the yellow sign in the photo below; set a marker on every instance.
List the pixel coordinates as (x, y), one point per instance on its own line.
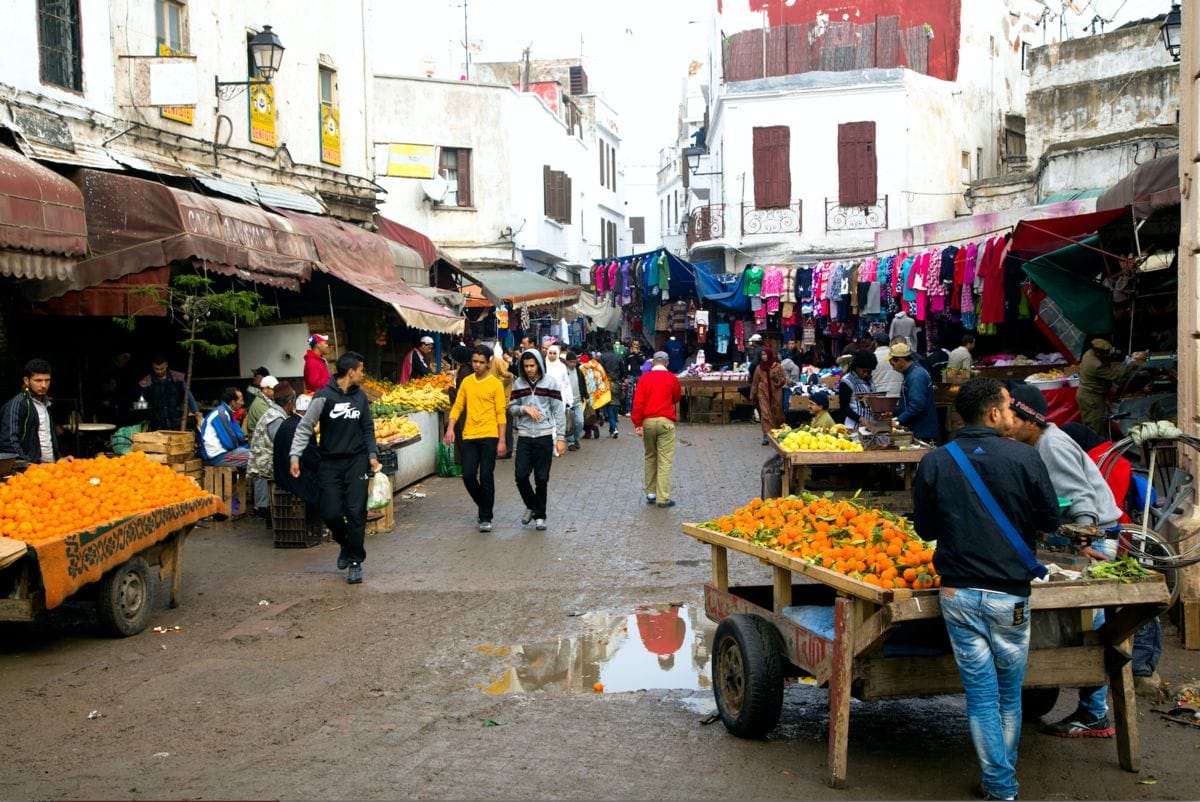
(180, 114)
(331, 135)
(262, 114)
(411, 161)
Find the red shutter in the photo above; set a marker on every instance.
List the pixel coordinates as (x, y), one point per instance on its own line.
(464, 177)
(772, 167)
(857, 168)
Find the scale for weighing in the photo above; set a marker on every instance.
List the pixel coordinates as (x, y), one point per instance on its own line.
(878, 426)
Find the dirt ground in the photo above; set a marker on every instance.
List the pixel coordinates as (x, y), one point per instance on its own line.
(463, 668)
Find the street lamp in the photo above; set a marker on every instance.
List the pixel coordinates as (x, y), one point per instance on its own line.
(692, 156)
(267, 52)
(1171, 28)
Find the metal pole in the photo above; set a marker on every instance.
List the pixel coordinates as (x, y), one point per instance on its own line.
(332, 319)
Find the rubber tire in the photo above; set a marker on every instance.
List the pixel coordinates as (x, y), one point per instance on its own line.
(1037, 702)
(747, 675)
(126, 598)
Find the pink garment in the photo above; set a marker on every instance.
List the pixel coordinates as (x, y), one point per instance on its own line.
(760, 317)
(612, 276)
(968, 293)
(772, 283)
(771, 305)
(601, 275)
(992, 304)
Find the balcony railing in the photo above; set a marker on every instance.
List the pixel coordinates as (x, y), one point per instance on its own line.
(780, 220)
(705, 223)
(855, 218)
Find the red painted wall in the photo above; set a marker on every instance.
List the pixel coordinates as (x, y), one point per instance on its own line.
(943, 15)
(546, 90)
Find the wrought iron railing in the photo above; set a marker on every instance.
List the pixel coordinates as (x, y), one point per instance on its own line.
(856, 217)
(779, 220)
(706, 223)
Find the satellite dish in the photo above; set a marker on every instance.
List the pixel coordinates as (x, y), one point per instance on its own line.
(435, 188)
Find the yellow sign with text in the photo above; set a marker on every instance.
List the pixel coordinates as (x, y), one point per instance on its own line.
(180, 114)
(411, 161)
(331, 135)
(262, 114)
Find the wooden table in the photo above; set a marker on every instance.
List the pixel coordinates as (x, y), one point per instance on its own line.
(690, 384)
(798, 462)
(850, 661)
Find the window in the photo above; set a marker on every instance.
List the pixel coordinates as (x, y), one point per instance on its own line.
(772, 167)
(169, 25)
(59, 47)
(579, 81)
(455, 166)
(638, 225)
(556, 195)
(608, 239)
(978, 163)
(857, 180)
(612, 168)
(327, 77)
(603, 164)
(965, 169)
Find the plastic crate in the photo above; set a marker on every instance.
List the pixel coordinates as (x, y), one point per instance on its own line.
(296, 524)
(389, 461)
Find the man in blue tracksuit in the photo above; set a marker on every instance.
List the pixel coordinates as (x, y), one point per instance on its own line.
(347, 447)
(916, 409)
(222, 442)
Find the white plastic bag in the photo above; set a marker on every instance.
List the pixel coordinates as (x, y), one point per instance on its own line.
(379, 491)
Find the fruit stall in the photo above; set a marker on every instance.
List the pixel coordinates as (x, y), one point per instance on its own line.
(854, 605)
(96, 526)
(407, 424)
(803, 449)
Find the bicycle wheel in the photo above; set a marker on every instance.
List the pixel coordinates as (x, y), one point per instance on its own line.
(1153, 552)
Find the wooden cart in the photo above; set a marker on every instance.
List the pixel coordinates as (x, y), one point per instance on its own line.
(797, 462)
(886, 644)
(113, 559)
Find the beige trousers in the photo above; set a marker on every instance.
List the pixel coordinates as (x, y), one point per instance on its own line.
(658, 439)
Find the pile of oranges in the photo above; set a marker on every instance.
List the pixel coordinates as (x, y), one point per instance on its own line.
(50, 501)
(439, 381)
(867, 544)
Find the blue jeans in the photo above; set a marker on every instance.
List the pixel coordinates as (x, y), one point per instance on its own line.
(989, 631)
(611, 411)
(1147, 648)
(1094, 699)
(576, 412)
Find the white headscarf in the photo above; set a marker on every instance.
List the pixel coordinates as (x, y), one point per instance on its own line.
(556, 370)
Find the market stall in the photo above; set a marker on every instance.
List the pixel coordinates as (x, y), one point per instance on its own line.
(406, 424)
(94, 529)
(865, 623)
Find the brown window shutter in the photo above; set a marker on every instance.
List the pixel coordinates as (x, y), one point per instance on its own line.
(612, 169)
(464, 177)
(567, 205)
(603, 164)
(772, 167)
(857, 166)
(638, 225)
(547, 209)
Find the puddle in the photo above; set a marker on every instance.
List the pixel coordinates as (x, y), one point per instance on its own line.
(658, 647)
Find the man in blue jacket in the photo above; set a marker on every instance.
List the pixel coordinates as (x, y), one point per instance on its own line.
(26, 428)
(222, 442)
(916, 410)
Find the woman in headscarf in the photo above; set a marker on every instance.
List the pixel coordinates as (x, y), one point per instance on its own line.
(766, 393)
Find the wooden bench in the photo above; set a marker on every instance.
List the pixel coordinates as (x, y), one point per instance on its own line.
(230, 485)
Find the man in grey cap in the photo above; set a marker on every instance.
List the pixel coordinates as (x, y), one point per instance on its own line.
(653, 415)
(1097, 375)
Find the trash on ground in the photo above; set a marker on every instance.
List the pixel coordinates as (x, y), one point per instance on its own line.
(263, 603)
(495, 722)
(94, 714)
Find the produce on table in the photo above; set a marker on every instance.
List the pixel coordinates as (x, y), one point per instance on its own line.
(417, 396)
(804, 439)
(870, 545)
(1124, 569)
(395, 427)
(440, 381)
(52, 500)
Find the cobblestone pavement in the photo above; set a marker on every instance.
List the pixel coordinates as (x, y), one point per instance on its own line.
(462, 668)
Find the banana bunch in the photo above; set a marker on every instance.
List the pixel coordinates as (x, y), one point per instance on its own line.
(418, 399)
(396, 427)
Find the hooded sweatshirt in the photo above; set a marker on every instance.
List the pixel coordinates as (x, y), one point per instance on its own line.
(543, 395)
(347, 429)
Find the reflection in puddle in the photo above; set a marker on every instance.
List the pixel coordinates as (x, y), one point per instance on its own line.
(658, 647)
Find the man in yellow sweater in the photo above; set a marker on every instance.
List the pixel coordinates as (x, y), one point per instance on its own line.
(481, 398)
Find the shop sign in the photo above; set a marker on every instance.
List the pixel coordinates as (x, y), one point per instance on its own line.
(262, 114)
(180, 114)
(331, 135)
(411, 161)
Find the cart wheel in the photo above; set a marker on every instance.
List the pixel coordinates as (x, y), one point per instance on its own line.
(747, 673)
(1037, 702)
(126, 598)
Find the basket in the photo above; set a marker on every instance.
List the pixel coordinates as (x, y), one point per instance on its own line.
(389, 461)
(296, 525)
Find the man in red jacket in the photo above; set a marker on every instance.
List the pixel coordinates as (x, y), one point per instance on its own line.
(654, 421)
(316, 371)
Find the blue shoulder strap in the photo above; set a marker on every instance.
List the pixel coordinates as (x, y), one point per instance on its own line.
(989, 503)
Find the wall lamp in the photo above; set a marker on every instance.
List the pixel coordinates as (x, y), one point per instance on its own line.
(692, 158)
(267, 52)
(1172, 28)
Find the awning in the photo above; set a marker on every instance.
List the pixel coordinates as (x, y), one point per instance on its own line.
(364, 261)
(1151, 186)
(1053, 233)
(521, 286)
(115, 298)
(409, 237)
(260, 193)
(43, 231)
(453, 301)
(134, 224)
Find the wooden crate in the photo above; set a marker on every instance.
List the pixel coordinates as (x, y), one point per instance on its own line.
(193, 467)
(165, 447)
(385, 524)
(228, 484)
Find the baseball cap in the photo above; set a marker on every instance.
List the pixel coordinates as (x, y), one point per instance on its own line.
(900, 350)
(661, 356)
(269, 382)
(317, 338)
(570, 356)
(260, 371)
(1029, 403)
(427, 340)
(755, 338)
(302, 402)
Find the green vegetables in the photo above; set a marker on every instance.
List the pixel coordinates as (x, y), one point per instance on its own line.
(1125, 570)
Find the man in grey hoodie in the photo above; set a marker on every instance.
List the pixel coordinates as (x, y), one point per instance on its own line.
(538, 417)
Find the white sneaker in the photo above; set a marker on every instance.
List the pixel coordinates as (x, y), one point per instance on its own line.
(540, 524)
(527, 517)
(485, 526)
